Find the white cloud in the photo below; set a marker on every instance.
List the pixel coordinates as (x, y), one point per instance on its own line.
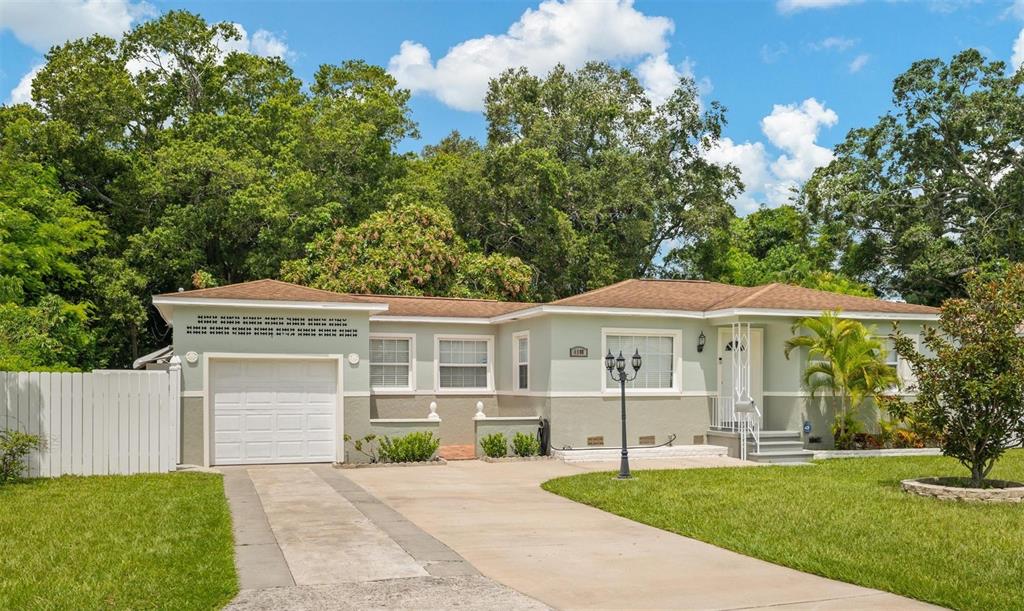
(660, 77)
(572, 32)
(262, 42)
(858, 63)
(42, 24)
(1018, 51)
(751, 160)
(833, 43)
(792, 6)
(793, 130)
(771, 53)
(266, 44)
(22, 92)
(1016, 9)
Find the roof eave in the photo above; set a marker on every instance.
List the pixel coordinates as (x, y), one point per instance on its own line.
(862, 314)
(165, 304)
(461, 320)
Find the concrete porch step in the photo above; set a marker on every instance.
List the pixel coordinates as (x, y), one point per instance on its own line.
(772, 445)
(797, 435)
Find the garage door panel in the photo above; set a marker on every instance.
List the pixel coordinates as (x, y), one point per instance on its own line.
(287, 423)
(257, 423)
(320, 422)
(324, 449)
(256, 451)
(269, 411)
(229, 451)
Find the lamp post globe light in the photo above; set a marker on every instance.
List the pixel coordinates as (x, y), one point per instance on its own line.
(616, 367)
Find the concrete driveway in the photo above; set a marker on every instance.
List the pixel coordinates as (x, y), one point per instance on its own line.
(308, 538)
(571, 556)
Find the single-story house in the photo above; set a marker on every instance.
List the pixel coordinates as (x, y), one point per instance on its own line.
(276, 372)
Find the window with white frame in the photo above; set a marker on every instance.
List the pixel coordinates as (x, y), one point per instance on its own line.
(521, 358)
(892, 358)
(908, 381)
(391, 362)
(463, 363)
(658, 351)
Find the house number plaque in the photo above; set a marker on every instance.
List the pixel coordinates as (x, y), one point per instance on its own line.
(578, 352)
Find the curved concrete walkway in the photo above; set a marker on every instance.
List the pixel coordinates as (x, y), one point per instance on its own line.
(571, 556)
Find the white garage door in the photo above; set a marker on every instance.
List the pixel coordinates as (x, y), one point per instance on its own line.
(268, 411)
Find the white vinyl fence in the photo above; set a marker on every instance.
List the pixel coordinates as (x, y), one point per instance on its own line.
(98, 423)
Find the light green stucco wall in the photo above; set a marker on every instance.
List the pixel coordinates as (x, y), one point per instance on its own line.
(355, 377)
(575, 419)
(699, 371)
(424, 337)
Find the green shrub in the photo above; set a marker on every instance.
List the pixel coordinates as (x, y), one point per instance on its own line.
(525, 445)
(494, 445)
(365, 446)
(14, 447)
(845, 430)
(414, 447)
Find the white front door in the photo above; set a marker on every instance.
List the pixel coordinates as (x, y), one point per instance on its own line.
(273, 411)
(726, 388)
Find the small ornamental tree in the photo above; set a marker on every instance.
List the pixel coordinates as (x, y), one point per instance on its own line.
(972, 387)
(846, 359)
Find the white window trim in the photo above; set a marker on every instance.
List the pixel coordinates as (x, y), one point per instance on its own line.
(464, 391)
(677, 359)
(396, 390)
(515, 362)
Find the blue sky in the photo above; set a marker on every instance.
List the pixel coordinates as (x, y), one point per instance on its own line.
(795, 75)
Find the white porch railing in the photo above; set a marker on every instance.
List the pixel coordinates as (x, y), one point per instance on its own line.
(745, 421)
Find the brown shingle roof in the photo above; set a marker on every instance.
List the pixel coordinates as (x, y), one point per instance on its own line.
(702, 296)
(270, 290)
(447, 306)
(276, 290)
(688, 295)
(691, 295)
(789, 297)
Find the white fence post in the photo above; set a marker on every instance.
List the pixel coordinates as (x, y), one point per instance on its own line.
(174, 405)
(95, 423)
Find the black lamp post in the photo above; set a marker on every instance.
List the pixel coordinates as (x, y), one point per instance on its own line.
(617, 365)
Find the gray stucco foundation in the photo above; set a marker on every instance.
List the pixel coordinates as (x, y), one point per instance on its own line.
(574, 420)
(192, 430)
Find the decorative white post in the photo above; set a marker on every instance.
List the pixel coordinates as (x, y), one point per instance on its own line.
(433, 411)
(174, 368)
(479, 415)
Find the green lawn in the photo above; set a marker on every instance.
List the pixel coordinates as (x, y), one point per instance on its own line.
(845, 518)
(124, 542)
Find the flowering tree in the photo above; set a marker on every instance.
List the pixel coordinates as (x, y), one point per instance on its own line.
(971, 388)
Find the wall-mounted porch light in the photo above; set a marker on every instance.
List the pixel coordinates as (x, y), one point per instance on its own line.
(701, 340)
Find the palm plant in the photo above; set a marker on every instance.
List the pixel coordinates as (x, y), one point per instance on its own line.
(844, 358)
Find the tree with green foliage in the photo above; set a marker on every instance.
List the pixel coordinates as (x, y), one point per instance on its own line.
(846, 359)
(190, 158)
(51, 335)
(407, 250)
(582, 177)
(44, 233)
(769, 245)
(971, 386)
(935, 188)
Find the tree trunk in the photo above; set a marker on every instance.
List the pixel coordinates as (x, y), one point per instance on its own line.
(977, 473)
